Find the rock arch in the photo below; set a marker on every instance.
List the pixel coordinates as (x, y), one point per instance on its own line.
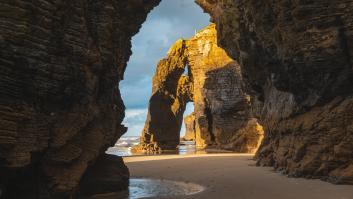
(222, 108)
(61, 61)
(171, 90)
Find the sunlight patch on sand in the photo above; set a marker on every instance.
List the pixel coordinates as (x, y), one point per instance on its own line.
(167, 157)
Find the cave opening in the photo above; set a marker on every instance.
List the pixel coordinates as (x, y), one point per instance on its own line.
(189, 70)
(61, 107)
(165, 24)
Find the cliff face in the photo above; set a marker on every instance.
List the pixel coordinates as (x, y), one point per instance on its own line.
(222, 109)
(296, 59)
(60, 106)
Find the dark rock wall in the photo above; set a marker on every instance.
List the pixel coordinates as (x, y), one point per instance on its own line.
(296, 57)
(108, 175)
(61, 61)
(60, 107)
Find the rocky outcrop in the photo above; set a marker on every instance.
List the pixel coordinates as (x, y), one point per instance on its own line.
(189, 122)
(108, 175)
(214, 84)
(60, 107)
(296, 60)
(171, 90)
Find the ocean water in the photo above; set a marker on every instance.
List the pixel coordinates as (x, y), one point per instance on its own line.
(124, 145)
(156, 188)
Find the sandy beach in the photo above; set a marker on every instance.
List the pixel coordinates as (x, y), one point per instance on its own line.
(232, 176)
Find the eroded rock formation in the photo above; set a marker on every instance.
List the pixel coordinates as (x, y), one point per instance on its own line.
(107, 175)
(214, 84)
(296, 59)
(190, 130)
(60, 107)
(170, 93)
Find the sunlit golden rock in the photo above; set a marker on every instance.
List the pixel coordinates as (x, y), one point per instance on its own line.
(214, 84)
(189, 128)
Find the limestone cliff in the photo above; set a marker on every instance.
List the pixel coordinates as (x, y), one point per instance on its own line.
(296, 59)
(60, 106)
(222, 108)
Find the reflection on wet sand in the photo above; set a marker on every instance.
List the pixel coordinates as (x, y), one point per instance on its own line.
(146, 188)
(124, 148)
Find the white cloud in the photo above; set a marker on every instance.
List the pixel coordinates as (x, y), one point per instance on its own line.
(135, 120)
(133, 113)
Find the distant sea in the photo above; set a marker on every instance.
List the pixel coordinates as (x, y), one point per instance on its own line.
(124, 144)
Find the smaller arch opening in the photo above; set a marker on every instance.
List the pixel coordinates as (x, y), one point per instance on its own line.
(187, 71)
(187, 132)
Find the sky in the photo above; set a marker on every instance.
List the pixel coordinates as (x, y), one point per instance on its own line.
(170, 21)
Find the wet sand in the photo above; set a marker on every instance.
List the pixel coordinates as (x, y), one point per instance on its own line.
(232, 176)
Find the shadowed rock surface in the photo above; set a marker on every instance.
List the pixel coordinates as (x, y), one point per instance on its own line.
(60, 106)
(296, 59)
(214, 84)
(109, 174)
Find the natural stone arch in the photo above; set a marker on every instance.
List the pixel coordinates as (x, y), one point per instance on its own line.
(171, 90)
(60, 108)
(222, 109)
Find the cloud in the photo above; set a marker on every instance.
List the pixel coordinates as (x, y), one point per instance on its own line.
(171, 20)
(135, 113)
(137, 93)
(135, 120)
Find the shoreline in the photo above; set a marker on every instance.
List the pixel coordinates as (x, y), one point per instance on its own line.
(232, 176)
